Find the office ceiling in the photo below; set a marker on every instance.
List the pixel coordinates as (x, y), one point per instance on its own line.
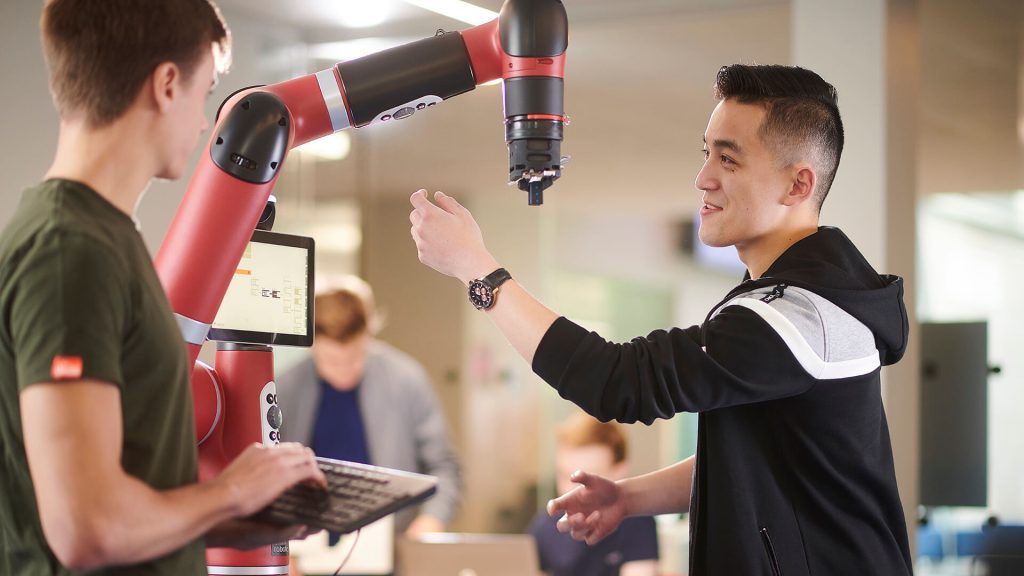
(326, 18)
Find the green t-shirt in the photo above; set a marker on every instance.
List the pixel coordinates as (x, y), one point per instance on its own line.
(80, 299)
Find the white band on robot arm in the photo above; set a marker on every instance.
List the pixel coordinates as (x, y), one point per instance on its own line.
(332, 98)
(193, 331)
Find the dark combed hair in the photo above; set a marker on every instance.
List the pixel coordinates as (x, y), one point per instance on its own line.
(100, 52)
(801, 114)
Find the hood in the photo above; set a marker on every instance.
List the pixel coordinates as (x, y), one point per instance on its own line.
(828, 264)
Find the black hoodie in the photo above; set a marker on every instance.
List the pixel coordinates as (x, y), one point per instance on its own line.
(794, 472)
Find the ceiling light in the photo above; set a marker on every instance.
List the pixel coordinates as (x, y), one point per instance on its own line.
(457, 10)
(351, 49)
(361, 14)
(331, 147)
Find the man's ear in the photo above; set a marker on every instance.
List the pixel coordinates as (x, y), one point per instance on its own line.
(166, 82)
(801, 189)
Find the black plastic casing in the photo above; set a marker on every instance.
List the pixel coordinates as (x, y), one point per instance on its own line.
(534, 145)
(253, 140)
(534, 29)
(437, 66)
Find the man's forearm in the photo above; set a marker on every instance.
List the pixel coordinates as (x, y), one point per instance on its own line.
(251, 481)
(521, 318)
(665, 491)
(93, 513)
(185, 514)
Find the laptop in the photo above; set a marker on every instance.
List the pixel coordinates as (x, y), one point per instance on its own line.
(373, 553)
(449, 554)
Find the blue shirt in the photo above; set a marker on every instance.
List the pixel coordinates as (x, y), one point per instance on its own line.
(339, 432)
(635, 539)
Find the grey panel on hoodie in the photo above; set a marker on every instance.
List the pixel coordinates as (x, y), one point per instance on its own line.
(840, 346)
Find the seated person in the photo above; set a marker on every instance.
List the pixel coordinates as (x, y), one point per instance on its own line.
(632, 550)
(361, 400)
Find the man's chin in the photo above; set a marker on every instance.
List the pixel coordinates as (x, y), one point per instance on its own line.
(712, 240)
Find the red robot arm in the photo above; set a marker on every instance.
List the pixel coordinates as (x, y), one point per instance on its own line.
(525, 46)
(229, 189)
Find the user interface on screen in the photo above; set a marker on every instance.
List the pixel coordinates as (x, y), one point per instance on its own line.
(269, 300)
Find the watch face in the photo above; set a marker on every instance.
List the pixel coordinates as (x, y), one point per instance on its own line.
(481, 295)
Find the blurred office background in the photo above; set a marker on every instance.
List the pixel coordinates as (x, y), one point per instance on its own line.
(931, 187)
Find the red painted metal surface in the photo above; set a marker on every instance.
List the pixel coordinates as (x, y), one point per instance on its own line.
(244, 375)
(484, 47)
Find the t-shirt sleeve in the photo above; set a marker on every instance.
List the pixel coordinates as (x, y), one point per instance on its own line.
(69, 303)
(640, 539)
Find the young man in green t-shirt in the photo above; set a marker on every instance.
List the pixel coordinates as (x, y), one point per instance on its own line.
(96, 423)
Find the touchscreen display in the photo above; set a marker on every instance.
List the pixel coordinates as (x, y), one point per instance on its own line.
(269, 300)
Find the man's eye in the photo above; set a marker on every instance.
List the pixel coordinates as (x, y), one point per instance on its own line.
(727, 160)
(707, 153)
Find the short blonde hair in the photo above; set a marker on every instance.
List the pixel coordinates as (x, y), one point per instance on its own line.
(345, 308)
(582, 430)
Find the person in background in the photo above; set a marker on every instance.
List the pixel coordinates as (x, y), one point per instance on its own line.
(97, 432)
(632, 549)
(361, 400)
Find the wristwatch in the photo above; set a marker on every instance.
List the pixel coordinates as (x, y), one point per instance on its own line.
(482, 291)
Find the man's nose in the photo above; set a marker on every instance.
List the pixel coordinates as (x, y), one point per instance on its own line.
(704, 180)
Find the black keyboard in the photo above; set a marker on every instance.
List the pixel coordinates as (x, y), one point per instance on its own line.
(356, 495)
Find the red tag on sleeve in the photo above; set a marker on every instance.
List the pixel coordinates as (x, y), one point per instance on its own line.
(66, 368)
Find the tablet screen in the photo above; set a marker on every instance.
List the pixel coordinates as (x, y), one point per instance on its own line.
(270, 298)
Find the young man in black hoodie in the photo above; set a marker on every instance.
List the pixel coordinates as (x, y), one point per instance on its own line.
(794, 471)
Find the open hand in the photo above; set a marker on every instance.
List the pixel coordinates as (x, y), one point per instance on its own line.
(592, 510)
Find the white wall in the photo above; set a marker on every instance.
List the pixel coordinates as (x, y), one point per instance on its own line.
(30, 122)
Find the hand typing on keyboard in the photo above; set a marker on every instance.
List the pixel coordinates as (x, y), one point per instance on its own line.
(354, 495)
(261, 473)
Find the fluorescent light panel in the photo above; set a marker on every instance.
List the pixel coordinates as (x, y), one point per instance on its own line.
(457, 10)
(356, 13)
(331, 147)
(351, 49)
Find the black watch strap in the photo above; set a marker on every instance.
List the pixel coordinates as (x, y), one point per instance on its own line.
(497, 278)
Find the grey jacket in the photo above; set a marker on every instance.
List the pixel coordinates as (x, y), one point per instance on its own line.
(405, 428)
